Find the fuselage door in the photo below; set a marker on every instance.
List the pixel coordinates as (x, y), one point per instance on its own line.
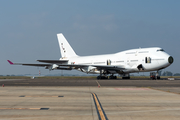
(108, 62)
(147, 60)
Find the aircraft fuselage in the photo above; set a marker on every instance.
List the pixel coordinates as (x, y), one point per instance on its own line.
(148, 59)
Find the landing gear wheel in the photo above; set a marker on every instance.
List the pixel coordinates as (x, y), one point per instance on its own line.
(98, 77)
(112, 77)
(125, 77)
(102, 77)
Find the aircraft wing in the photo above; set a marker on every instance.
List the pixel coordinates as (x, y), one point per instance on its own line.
(105, 67)
(53, 61)
(38, 65)
(62, 63)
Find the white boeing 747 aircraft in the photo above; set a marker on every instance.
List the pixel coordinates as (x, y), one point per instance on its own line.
(123, 63)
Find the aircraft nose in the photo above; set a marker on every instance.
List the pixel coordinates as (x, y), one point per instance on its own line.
(170, 59)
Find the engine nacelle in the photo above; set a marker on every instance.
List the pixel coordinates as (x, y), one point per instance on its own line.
(54, 66)
(89, 69)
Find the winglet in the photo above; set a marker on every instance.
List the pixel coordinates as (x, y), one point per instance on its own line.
(10, 62)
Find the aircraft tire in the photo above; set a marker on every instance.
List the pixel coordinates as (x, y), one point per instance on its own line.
(125, 77)
(112, 77)
(158, 77)
(102, 77)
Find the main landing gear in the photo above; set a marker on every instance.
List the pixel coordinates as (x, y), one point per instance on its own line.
(126, 76)
(106, 77)
(102, 77)
(112, 77)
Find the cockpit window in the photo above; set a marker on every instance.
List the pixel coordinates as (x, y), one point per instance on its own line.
(160, 50)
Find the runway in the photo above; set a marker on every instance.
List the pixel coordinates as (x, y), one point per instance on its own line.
(68, 99)
(90, 82)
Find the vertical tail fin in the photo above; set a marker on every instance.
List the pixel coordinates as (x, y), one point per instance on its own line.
(65, 48)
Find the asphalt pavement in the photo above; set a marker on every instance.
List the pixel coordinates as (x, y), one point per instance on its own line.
(90, 82)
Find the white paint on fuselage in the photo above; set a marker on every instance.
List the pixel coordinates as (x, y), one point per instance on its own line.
(129, 58)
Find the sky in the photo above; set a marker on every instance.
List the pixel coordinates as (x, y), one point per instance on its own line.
(29, 29)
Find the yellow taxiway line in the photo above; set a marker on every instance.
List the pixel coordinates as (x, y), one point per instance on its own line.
(99, 108)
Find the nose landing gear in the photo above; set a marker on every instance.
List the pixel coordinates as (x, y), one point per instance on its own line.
(155, 75)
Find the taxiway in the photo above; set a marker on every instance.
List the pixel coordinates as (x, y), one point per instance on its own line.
(82, 99)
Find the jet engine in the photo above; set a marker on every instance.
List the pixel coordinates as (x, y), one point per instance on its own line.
(90, 69)
(54, 66)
